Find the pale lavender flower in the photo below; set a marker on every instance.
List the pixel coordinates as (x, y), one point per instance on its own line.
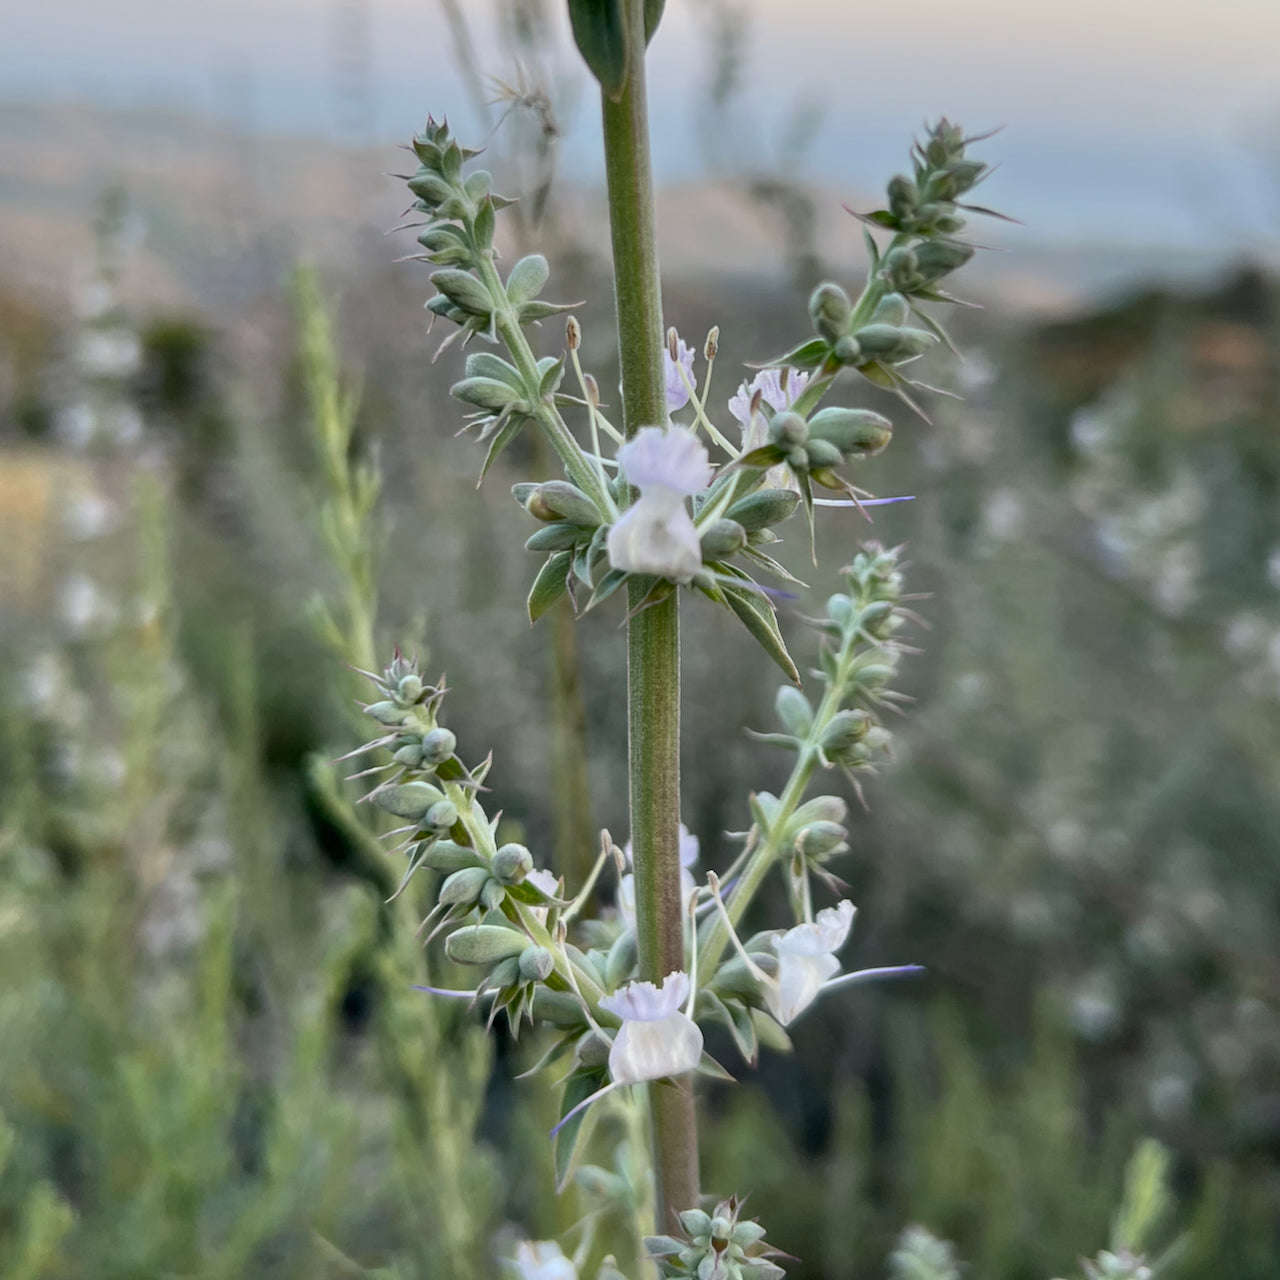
(657, 1038)
(677, 392)
(656, 535)
(769, 382)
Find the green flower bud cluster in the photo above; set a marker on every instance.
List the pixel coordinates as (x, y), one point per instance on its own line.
(859, 658)
(715, 1246)
(457, 237)
(746, 526)
(925, 213)
(813, 448)
(928, 203)
(921, 1256)
(434, 793)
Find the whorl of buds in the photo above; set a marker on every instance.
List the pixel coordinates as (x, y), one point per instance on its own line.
(719, 1244)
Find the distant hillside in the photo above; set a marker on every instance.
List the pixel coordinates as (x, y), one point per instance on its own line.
(224, 212)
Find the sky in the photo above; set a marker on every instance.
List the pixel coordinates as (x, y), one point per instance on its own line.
(1124, 119)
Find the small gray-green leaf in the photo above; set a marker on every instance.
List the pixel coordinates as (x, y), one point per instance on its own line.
(509, 431)
(550, 584)
(527, 278)
(484, 944)
(756, 613)
(570, 1140)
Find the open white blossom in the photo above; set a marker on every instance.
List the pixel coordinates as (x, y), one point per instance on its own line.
(626, 900)
(657, 1038)
(656, 535)
(543, 1260)
(807, 964)
(806, 961)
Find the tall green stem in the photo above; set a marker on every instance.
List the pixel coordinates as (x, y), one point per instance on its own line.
(653, 636)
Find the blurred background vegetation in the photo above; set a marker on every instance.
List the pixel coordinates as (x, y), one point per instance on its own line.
(211, 1061)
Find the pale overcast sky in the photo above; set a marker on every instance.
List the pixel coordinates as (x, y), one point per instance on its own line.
(1115, 110)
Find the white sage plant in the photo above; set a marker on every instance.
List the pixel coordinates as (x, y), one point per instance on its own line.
(652, 510)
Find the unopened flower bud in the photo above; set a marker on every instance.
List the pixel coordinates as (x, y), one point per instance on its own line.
(593, 390)
(839, 608)
(409, 800)
(822, 453)
(875, 675)
(409, 755)
(788, 429)
(847, 350)
(937, 257)
(564, 501)
(512, 863)
(484, 944)
(409, 689)
(572, 333)
(441, 816)
(879, 339)
(857, 433)
(438, 746)
(820, 809)
(821, 840)
(592, 1049)
(844, 729)
(446, 856)
(722, 538)
(903, 196)
(712, 346)
(388, 713)
(536, 964)
(830, 311)
(893, 309)
(463, 887)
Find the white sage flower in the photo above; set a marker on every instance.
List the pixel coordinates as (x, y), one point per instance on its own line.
(777, 392)
(806, 961)
(677, 390)
(656, 535)
(779, 389)
(626, 899)
(657, 1038)
(543, 1260)
(807, 964)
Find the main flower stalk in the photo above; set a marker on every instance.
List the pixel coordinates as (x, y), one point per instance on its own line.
(653, 636)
